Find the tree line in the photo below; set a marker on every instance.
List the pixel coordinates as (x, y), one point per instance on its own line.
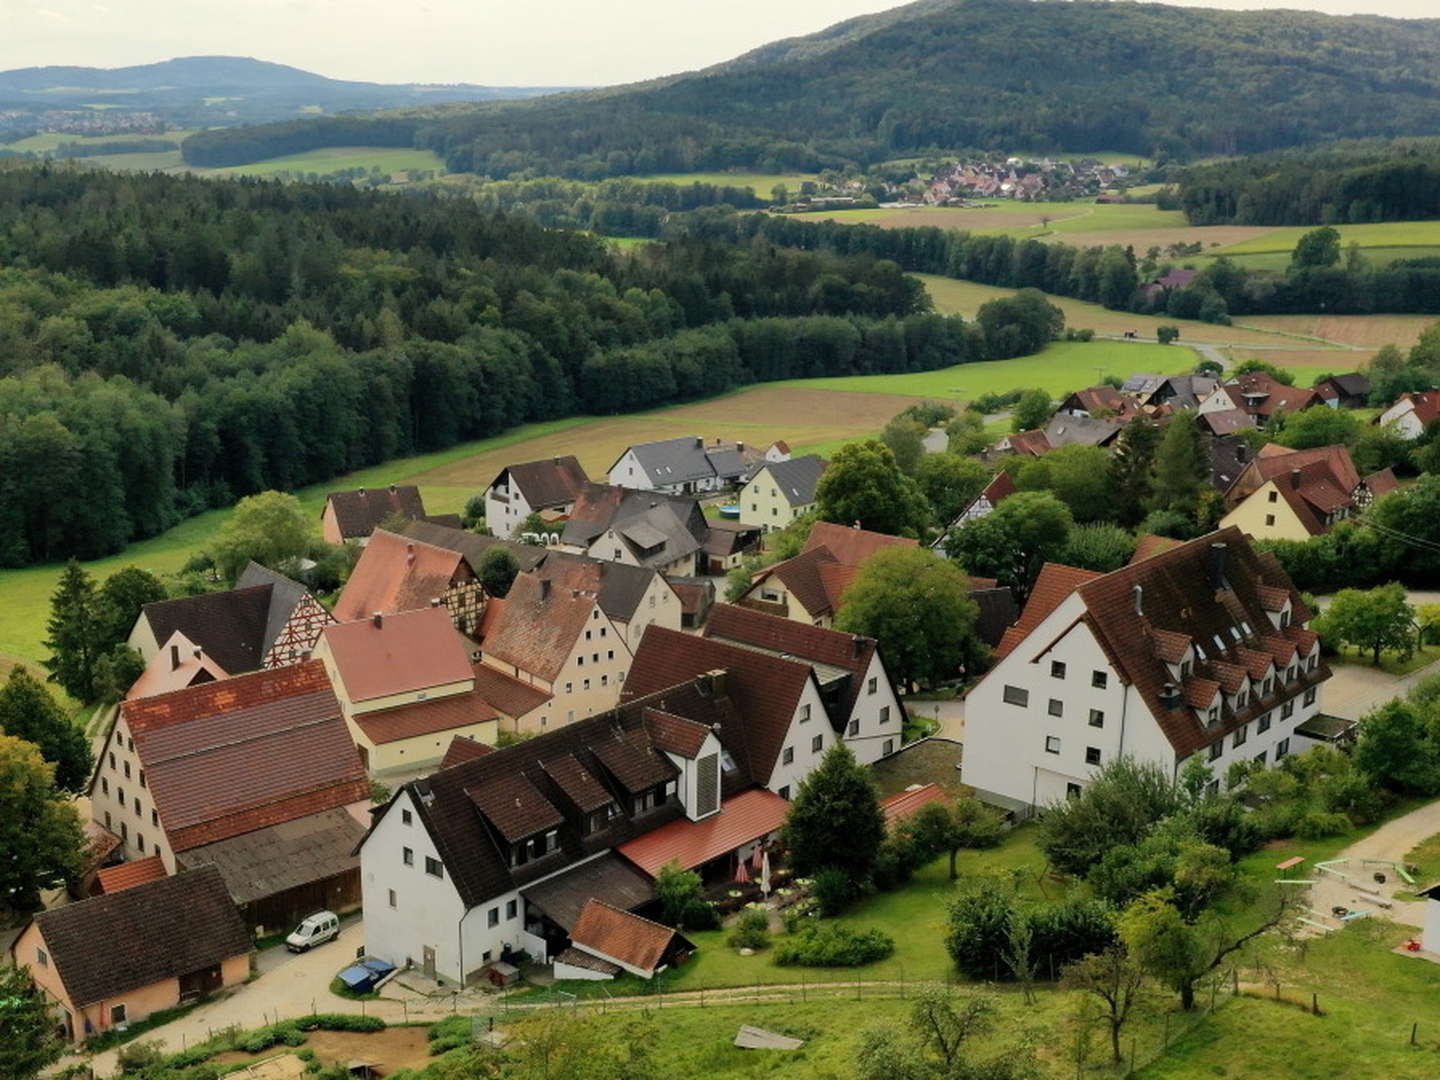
(1347, 183)
(169, 345)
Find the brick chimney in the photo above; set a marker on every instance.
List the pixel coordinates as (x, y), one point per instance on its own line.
(174, 657)
(377, 619)
(1295, 479)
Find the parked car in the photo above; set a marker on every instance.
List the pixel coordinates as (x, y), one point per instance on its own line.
(314, 930)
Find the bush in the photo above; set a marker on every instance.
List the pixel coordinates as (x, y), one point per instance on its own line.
(978, 929)
(1065, 932)
(1318, 824)
(751, 930)
(897, 860)
(833, 890)
(699, 915)
(832, 945)
(138, 1056)
(452, 1033)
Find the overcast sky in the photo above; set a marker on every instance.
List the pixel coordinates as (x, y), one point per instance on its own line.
(549, 43)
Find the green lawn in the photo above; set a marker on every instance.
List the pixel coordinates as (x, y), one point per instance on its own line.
(1384, 234)
(1390, 662)
(50, 140)
(1063, 366)
(761, 183)
(335, 158)
(1101, 217)
(1279, 260)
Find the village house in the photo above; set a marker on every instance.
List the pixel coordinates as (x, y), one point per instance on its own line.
(726, 545)
(1348, 391)
(1198, 649)
(1180, 392)
(1100, 402)
(1062, 429)
(862, 701)
(606, 941)
(1296, 494)
(809, 587)
(255, 775)
(266, 621)
(1411, 414)
(643, 528)
(406, 687)
(547, 488)
(112, 961)
(1174, 278)
(396, 573)
(504, 852)
(1000, 488)
(780, 491)
(351, 516)
(553, 637)
(688, 465)
(1260, 395)
(632, 597)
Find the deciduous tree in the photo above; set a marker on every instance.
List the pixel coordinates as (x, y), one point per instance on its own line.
(950, 483)
(1032, 411)
(835, 818)
(1116, 979)
(918, 605)
(864, 485)
(1374, 620)
(41, 842)
(497, 570)
(28, 711)
(1013, 541)
(270, 528)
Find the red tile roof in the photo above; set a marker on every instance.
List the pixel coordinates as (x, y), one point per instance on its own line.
(851, 546)
(745, 817)
(409, 651)
(396, 573)
(1054, 583)
(511, 696)
(619, 935)
(905, 803)
(675, 734)
(464, 748)
(1033, 443)
(1426, 405)
(425, 717)
(162, 675)
(114, 878)
(1277, 396)
(1382, 482)
(1150, 544)
(229, 757)
(538, 626)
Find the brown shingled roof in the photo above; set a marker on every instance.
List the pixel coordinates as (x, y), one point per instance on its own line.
(636, 942)
(425, 717)
(578, 783)
(511, 696)
(129, 874)
(514, 807)
(547, 483)
(358, 512)
(409, 651)
(538, 626)
(112, 944)
(1054, 583)
(464, 748)
(1171, 646)
(1151, 544)
(851, 546)
(675, 734)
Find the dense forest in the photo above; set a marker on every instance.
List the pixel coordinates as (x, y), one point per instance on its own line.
(1341, 183)
(169, 344)
(1153, 79)
(1321, 278)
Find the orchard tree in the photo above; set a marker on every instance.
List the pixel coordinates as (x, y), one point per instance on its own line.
(966, 434)
(835, 819)
(950, 483)
(1033, 410)
(1373, 620)
(1116, 979)
(950, 827)
(270, 528)
(1319, 425)
(1399, 747)
(919, 605)
(29, 711)
(1318, 247)
(864, 485)
(1013, 541)
(41, 842)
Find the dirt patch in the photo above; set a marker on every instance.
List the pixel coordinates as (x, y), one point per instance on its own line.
(391, 1048)
(1364, 330)
(394, 1048)
(758, 415)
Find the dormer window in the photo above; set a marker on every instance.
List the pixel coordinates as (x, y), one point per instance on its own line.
(600, 819)
(1240, 700)
(1284, 618)
(1213, 714)
(535, 847)
(1184, 669)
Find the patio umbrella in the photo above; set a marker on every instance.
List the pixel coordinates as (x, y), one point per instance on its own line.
(757, 858)
(742, 875)
(765, 874)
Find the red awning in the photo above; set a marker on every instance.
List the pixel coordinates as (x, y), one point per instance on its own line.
(748, 816)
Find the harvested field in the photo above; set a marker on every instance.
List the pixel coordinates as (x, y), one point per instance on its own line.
(965, 298)
(759, 415)
(1369, 331)
(1144, 238)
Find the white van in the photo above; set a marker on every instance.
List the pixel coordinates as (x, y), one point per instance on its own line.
(314, 930)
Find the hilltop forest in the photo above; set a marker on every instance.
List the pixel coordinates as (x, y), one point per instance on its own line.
(1162, 81)
(169, 344)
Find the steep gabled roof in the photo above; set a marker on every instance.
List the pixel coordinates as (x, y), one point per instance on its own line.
(1152, 544)
(285, 597)
(473, 545)
(229, 626)
(123, 941)
(796, 478)
(511, 696)
(1054, 583)
(672, 461)
(538, 625)
(766, 689)
(851, 546)
(236, 755)
(547, 483)
(619, 935)
(1271, 395)
(127, 875)
(407, 651)
(1226, 421)
(358, 513)
(657, 528)
(1425, 405)
(394, 574)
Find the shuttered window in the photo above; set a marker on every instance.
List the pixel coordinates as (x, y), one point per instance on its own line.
(707, 781)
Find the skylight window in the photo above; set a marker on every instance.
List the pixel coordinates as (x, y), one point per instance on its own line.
(1235, 633)
(1199, 651)
(1219, 643)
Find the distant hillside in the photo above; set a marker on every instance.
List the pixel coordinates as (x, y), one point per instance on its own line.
(1146, 78)
(200, 91)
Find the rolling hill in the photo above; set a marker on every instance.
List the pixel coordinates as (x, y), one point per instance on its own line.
(198, 91)
(1048, 75)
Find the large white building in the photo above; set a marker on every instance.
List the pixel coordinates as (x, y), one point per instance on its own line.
(1200, 649)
